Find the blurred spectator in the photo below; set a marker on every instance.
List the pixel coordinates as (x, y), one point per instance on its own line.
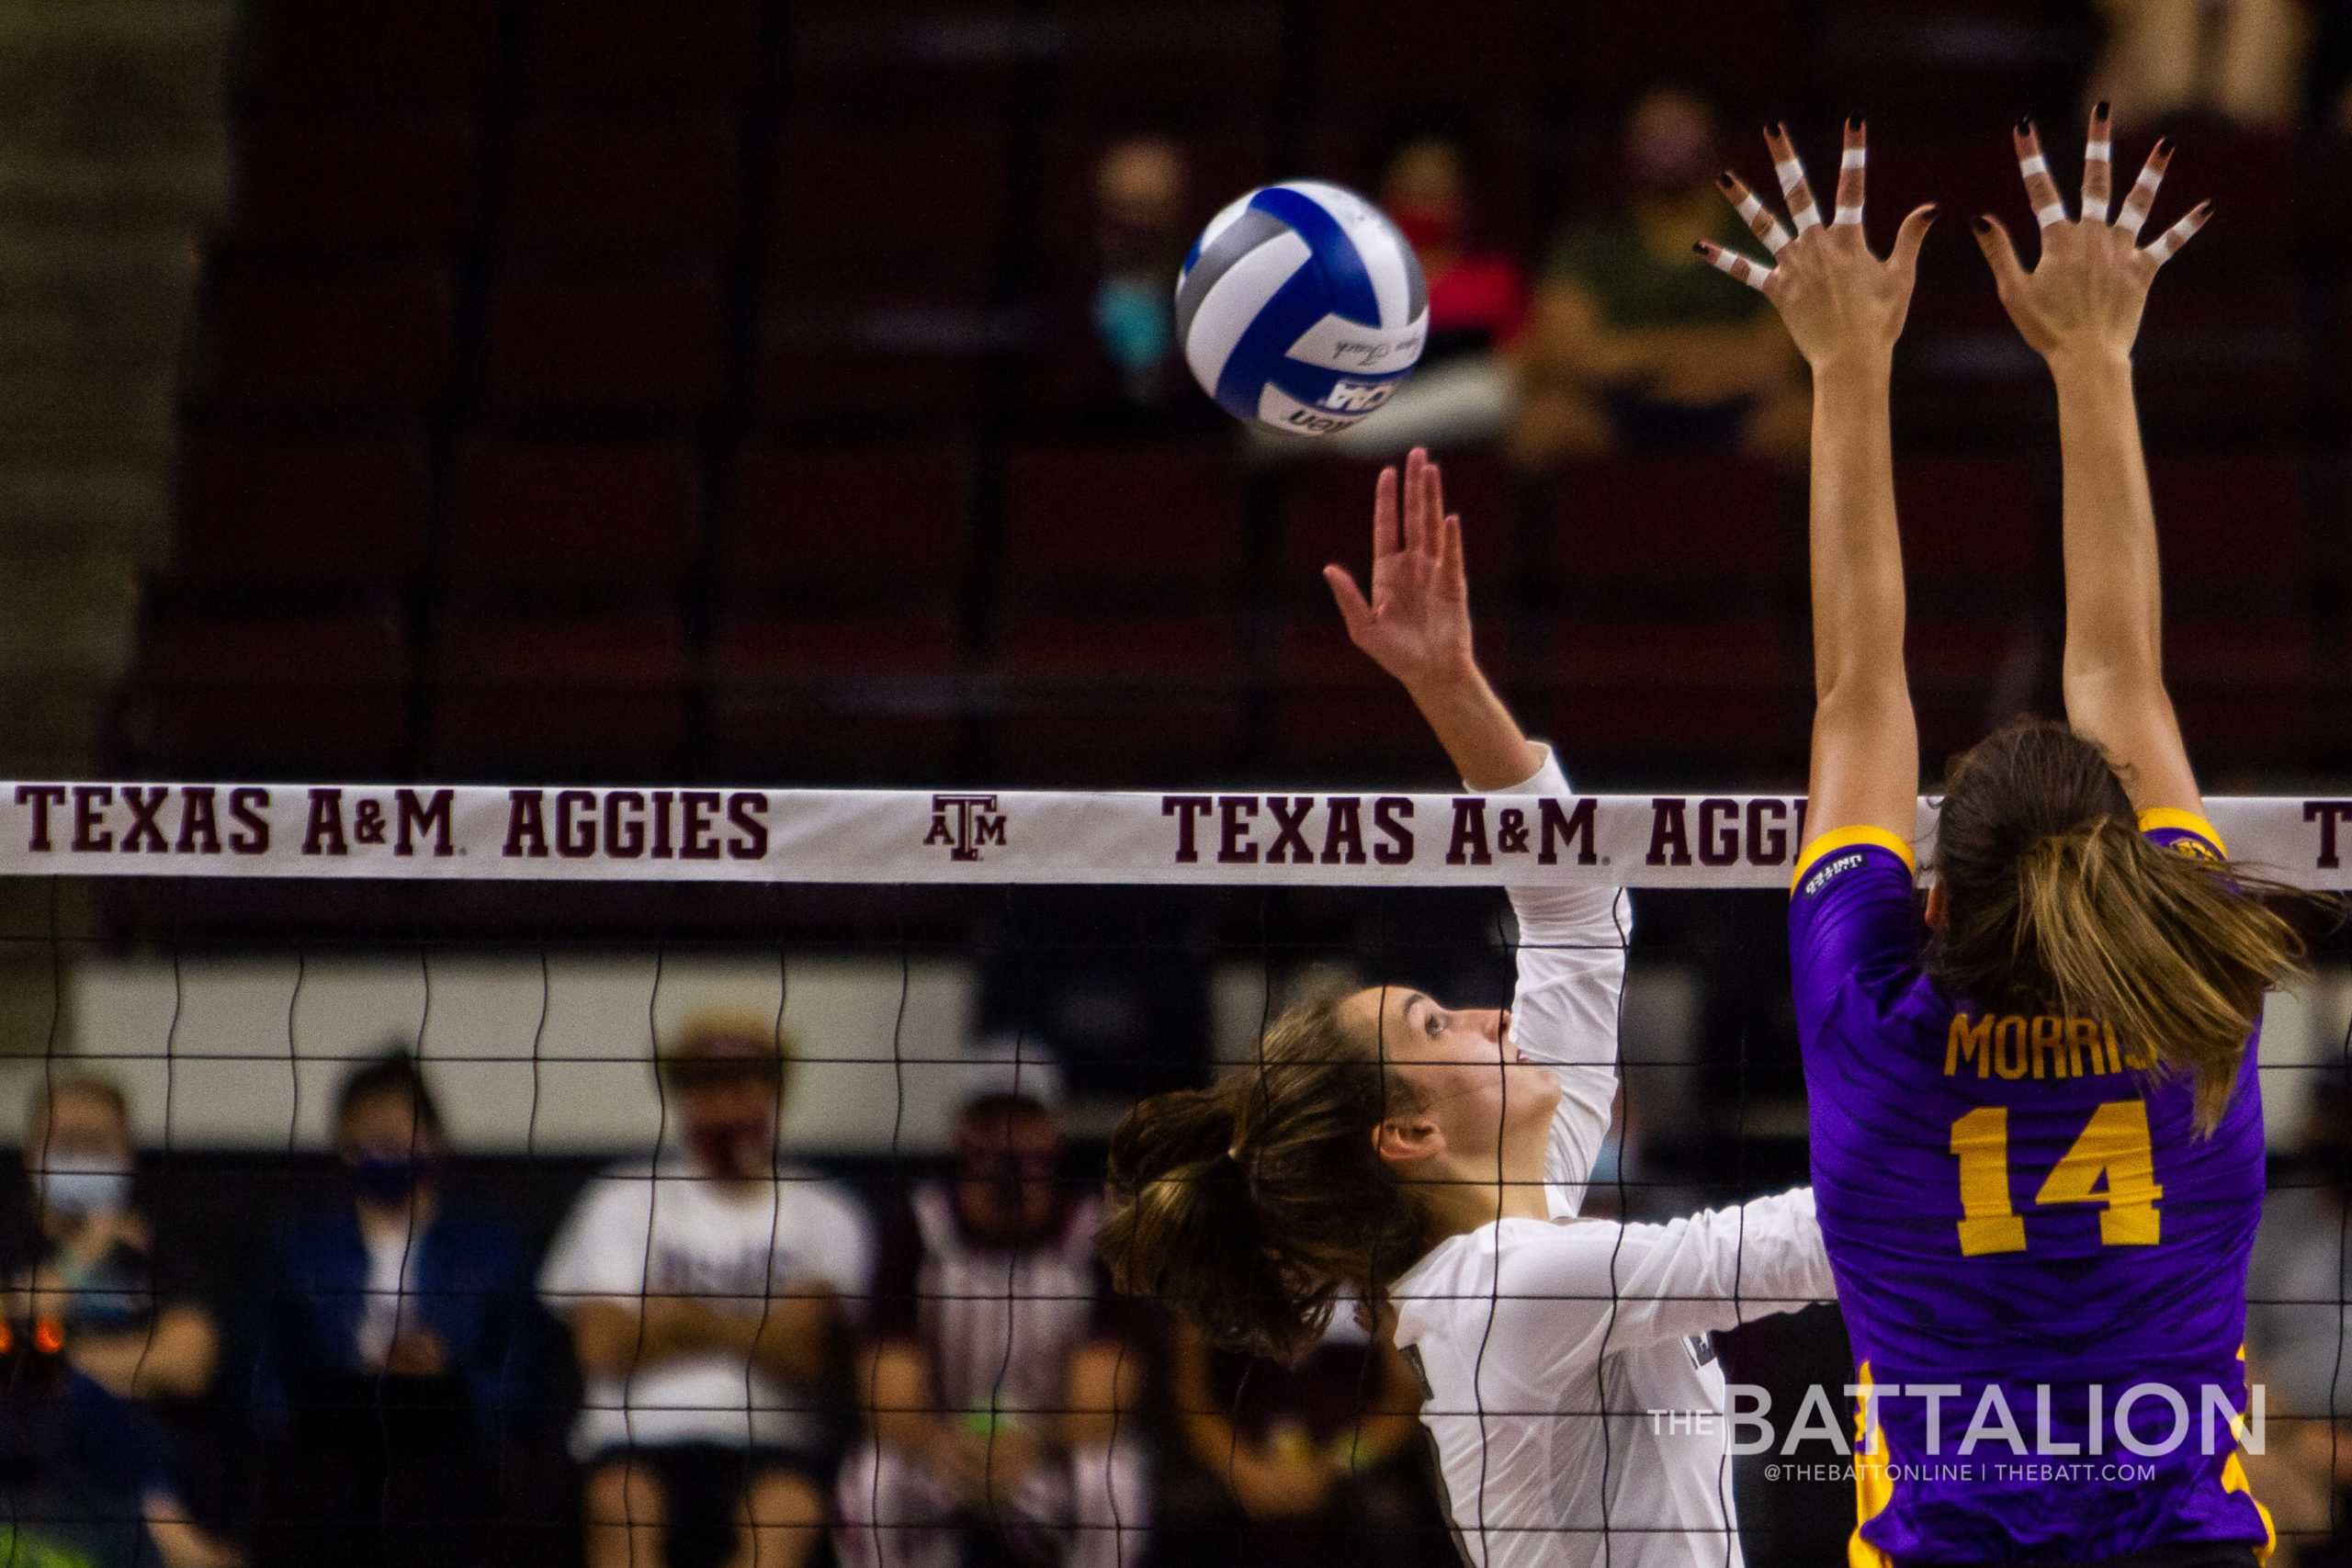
(2298, 1330)
(993, 1387)
(1633, 345)
(1465, 389)
(2241, 60)
(395, 1343)
(123, 1333)
(1140, 192)
(1311, 1457)
(706, 1295)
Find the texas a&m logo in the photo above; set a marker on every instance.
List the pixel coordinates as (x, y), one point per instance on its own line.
(964, 823)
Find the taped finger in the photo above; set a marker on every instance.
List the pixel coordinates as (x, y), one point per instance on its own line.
(1852, 168)
(1790, 170)
(2039, 188)
(2142, 199)
(2098, 166)
(1761, 221)
(1756, 275)
(2168, 243)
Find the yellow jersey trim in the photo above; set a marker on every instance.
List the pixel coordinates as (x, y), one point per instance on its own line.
(2173, 816)
(1839, 839)
(1874, 1478)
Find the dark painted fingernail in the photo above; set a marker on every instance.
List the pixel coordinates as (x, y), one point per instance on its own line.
(1699, 248)
(1853, 122)
(2164, 146)
(2099, 109)
(1982, 225)
(1771, 128)
(1933, 212)
(1725, 180)
(2025, 125)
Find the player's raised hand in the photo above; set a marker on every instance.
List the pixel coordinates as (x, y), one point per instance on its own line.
(1840, 300)
(1416, 624)
(2087, 290)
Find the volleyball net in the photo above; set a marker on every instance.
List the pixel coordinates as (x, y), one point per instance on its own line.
(558, 1000)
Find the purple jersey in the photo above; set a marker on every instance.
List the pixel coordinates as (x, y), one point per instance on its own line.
(2021, 1219)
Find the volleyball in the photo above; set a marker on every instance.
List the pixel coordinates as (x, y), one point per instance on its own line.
(1302, 307)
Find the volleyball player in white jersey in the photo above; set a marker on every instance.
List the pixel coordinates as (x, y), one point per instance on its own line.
(1430, 1161)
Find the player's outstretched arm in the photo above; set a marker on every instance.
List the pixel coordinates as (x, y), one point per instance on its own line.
(2080, 309)
(1416, 625)
(1845, 308)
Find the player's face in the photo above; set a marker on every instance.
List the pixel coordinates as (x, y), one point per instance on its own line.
(1471, 1080)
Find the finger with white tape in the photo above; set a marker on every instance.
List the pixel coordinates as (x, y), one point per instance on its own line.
(2168, 243)
(1761, 221)
(2142, 199)
(1851, 163)
(1802, 212)
(2098, 165)
(1756, 275)
(2039, 188)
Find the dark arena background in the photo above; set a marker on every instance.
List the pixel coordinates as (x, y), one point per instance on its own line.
(645, 408)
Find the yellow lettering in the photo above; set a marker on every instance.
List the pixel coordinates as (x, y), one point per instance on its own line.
(2113, 1150)
(1981, 1142)
(2049, 1045)
(2114, 1060)
(2082, 1031)
(1966, 1044)
(2008, 1047)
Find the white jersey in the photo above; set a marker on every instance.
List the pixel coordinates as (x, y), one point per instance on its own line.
(670, 1231)
(1545, 1346)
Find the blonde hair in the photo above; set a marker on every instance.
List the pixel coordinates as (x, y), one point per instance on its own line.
(2056, 900)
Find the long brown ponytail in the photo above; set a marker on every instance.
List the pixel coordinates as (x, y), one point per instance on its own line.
(1250, 1206)
(2055, 901)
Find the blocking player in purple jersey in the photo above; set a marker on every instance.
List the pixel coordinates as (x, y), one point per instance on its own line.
(2036, 1128)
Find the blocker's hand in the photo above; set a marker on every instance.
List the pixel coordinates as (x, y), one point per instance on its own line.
(1416, 625)
(1840, 302)
(2085, 295)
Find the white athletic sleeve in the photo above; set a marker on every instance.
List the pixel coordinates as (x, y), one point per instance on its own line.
(1613, 1287)
(1564, 1012)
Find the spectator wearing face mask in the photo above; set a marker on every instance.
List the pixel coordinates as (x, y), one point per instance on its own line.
(1132, 373)
(1465, 388)
(708, 1294)
(1630, 345)
(396, 1346)
(114, 1337)
(1002, 1374)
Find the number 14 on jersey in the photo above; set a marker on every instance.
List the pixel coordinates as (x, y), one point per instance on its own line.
(2109, 1164)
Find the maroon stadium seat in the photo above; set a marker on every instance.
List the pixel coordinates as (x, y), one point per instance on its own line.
(1975, 530)
(1614, 52)
(875, 352)
(2225, 346)
(1333, 713)
(850, 195)
(583, 343)
(2237, 532)
(612, 517)
(1973, 669)
(629, 52)
(902, 55)
(1225, 53)
(1671, 528)
(360, 54)
(404, 184)
(1106, 699)
(1085, 518)
(804, 521)
(817, 696)
(2247, 692)
(272, 696)
(570, 696)
(373, 340)
(1327, 517)
(287, 512)
(587, 188)
(1375, 52)
(1654, 691)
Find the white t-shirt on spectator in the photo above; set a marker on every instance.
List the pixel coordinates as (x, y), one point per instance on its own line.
(670, 1230)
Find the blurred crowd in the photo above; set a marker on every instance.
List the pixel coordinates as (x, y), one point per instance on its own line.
(765, 1366)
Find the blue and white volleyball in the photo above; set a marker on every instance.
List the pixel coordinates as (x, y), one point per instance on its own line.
(1301, 307)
